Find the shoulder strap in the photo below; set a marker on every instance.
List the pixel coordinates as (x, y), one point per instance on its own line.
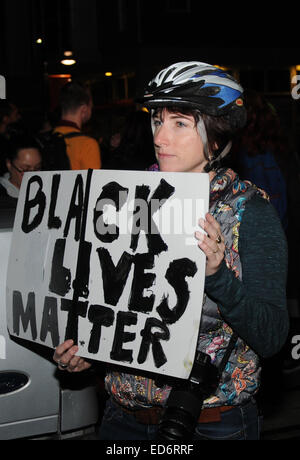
(227, 353)
(75, 134)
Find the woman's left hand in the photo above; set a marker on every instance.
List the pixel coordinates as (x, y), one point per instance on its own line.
(212, 244)
(66, 359)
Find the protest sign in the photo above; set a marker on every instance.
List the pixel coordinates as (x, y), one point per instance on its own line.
(109, 259)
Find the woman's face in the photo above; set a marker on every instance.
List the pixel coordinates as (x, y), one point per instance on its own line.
(28, 159)
(178, 145)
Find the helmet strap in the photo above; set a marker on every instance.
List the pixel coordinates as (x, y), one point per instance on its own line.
(213, 162)
(203, 134)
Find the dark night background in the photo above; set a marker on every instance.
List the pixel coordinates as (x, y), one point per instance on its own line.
(259, 43)
(133, 39)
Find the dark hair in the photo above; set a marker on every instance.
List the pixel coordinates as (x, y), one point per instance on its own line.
(5, 109)
(73, 95)
(263, 131)
(219, 129)
(18, 143)
(136, 149)
(219, 133)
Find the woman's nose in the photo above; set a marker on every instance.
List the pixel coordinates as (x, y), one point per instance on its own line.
(161, 136)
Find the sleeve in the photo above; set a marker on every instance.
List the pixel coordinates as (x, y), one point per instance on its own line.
(92, 155)
(255, 307)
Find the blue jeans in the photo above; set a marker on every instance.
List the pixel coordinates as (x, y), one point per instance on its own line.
(240, 423)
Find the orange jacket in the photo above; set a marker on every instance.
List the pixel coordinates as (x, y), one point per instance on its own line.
(83, 152)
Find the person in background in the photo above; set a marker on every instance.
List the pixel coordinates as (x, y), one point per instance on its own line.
(260, 152)
(263, 154)
(196, 110)
(23, 155)
(135, 150)
(76, 105)
(9, 116)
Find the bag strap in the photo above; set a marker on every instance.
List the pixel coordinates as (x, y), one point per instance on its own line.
(72, 135)
(227, 353)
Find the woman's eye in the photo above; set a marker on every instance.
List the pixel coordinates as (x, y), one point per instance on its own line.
(180, 124)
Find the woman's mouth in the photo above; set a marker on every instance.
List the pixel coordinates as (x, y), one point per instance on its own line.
(163, 155)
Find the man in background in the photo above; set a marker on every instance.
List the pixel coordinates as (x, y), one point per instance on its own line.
(76, 104)
(9, 116)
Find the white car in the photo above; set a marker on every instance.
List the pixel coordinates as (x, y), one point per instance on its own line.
(37, 400)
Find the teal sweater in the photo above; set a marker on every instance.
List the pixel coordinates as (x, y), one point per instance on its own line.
(255, 307)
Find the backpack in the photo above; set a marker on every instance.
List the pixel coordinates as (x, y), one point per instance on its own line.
(54, 150)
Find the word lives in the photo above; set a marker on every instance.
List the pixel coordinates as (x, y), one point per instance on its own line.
(88, 294)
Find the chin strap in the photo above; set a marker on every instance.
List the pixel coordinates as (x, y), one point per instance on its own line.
(203, 134)
(215, 161)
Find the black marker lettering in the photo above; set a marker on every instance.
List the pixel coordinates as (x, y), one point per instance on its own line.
(117, 352)
(81, 283)
(153, 338)
(26, 316)
(50, 321)
(141, 281)
(75, 210)
(111, 193)
(74, 309)
(114, 277)
(39, 202)
(60, 282)
(156, 244)
(177, 272)
(54, 221)
(99, 316)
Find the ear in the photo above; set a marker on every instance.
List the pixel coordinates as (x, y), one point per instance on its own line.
(83, 110)
(5, 119)
(8, 165)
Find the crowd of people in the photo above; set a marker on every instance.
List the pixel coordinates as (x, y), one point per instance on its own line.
(260, 152)
(66, 143)
(198, 119)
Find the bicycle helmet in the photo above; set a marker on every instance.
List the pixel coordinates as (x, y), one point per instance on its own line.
(202, 87)
(196, 84)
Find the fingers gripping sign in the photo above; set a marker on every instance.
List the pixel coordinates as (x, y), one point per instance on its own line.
(212, 243)
(66, 359)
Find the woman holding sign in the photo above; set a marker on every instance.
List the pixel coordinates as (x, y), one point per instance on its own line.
(196, 109)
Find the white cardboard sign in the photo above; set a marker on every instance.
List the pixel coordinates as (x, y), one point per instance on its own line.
(109, 259)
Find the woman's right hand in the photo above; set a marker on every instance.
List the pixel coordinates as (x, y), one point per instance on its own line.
(66, 359)
(212, 243)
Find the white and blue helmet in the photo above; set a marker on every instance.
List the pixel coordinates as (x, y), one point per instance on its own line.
(197, 85)
(203, 87)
